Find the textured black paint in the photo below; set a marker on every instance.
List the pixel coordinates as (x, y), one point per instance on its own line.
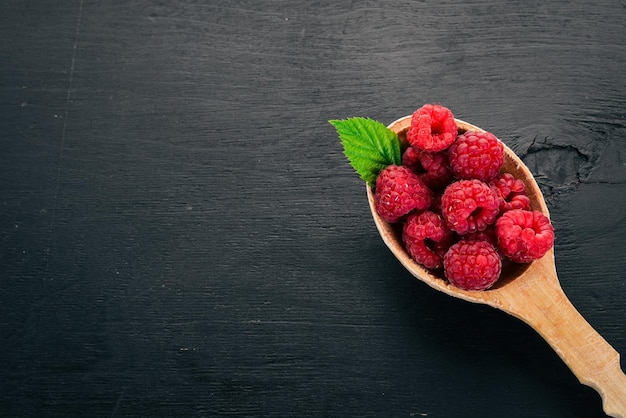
(180, 234)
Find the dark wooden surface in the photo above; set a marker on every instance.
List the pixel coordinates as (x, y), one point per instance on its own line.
(181, 235)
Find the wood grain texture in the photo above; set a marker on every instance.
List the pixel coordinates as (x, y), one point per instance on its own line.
(181, 235)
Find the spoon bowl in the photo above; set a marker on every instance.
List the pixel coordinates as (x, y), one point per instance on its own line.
(530, 292)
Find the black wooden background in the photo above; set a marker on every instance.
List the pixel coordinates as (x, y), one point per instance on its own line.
(181, 235)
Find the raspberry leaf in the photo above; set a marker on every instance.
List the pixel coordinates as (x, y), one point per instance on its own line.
(369, 146)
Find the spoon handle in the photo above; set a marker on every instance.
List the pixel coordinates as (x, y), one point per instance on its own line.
(590, 357)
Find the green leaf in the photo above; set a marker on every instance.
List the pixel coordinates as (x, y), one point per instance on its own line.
(369, 146)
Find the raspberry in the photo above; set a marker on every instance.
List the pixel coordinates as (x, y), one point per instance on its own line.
(472, 265)
(524, 236)
(488, 235)
(511, 193)
(411, 159)
(432, 167)
(426, 238)
(469, 206)
(436, 205)
(476, 155)
(398, 192)
(432, 128)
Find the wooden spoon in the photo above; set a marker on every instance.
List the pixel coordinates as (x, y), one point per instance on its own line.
(530, 292)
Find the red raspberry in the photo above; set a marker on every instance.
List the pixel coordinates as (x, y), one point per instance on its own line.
(476, 155)
(432, 167)
(432, 128)
(524, 236)
(398, 192)
(436, 205)
(472, 265)
(488, 235)
(511, 192)
(411, 159)
(426, 238)
(469, 206)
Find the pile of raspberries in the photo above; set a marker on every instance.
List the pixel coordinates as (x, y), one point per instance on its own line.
(458, 211)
